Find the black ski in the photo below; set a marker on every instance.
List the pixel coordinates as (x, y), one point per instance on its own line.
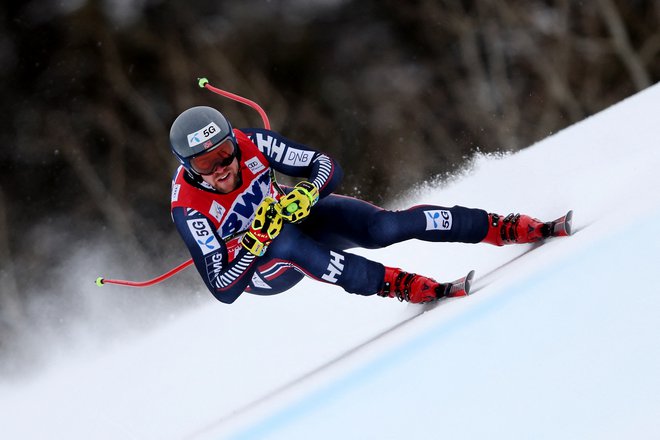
(563, 226)
(459, 287)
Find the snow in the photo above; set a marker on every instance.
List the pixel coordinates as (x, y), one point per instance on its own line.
(564, 342)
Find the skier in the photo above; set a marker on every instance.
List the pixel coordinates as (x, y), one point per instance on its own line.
(245, 233)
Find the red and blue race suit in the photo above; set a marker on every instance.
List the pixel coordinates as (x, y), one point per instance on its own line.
(209, 222)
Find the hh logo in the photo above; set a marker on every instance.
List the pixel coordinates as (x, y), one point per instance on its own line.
(438, 220)
(335, 268)
(269, 145)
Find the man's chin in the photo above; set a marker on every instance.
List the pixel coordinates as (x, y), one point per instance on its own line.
(227, 185)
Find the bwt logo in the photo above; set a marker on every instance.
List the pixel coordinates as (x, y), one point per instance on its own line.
(335, 268)
(246, 205)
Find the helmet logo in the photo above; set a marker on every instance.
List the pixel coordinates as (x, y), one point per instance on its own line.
(204, 134)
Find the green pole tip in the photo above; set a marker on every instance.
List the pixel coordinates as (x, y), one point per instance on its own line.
(99, 281)
(202, 82)
(292, 208)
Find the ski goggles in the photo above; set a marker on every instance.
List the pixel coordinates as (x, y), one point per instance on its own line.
(221, 155)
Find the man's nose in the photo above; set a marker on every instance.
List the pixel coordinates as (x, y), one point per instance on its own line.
(217, 167)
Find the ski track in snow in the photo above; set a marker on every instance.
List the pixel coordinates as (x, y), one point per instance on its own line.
(560, 340)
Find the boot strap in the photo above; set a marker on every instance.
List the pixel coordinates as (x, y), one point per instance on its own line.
(401, 287)
(509, 231)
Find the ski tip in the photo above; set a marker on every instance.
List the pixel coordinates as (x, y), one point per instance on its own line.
(568, 223)
(562, 227)
(468, 282)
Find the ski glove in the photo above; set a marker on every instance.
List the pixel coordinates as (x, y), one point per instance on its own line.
(266, 225)
(296, 205)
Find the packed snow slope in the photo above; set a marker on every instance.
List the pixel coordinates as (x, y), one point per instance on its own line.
(562, 342)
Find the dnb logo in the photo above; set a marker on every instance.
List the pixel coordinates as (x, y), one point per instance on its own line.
(295, 157)
(438, 220)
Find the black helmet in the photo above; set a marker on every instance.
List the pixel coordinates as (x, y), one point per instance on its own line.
(196, 130)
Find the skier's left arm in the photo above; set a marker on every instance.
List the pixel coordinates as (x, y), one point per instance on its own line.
(297, 160)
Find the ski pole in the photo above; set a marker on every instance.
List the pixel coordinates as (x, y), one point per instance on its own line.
(100, 281)
(203, 83)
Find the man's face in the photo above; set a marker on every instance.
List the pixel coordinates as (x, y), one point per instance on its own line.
(219, 167)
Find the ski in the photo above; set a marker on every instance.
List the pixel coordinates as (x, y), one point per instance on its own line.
(459, 287)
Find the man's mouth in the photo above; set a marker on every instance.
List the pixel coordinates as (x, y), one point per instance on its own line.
(225, 177)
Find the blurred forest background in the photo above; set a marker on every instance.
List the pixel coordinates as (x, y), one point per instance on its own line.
(398, 91)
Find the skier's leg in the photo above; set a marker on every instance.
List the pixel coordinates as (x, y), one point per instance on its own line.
(459, 224)
(353, 273)
(349, 222)
(429, 223)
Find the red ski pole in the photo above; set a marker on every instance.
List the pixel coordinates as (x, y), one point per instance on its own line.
(203, 83)
(100, 281)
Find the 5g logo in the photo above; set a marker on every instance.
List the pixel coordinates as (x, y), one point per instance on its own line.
(202, 135)
(203, 235)
(208, 132)
(439, 220)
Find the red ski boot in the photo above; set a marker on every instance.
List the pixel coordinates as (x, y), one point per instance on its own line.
(420, 289)
(516, 228)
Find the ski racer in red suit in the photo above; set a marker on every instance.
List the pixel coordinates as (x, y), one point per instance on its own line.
(245, 234)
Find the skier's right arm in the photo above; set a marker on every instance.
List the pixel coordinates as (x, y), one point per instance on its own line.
(225, 280)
